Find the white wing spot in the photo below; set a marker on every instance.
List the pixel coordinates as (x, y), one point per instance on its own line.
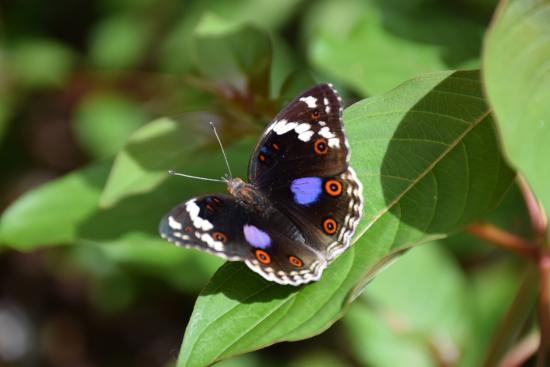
(174, 224)
(327, 105)
(306, 136)
(302, 128)
(310, 101)
(283, 126)
(333, 141)
(216, 245)
(199, 223)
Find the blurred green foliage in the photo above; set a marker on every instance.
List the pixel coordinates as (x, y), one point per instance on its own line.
(99, 98)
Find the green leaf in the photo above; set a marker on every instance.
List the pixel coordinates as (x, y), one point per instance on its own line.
(267, 14)
(240, 55)
(405, 311)
(150, 152)
(120, 42)
(51, 213)
(518, 87)
(104, 121)
(374, 45)
(41, 63)
(428, 158)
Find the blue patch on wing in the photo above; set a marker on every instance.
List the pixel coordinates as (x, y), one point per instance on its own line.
(306, 190)
(256, 237)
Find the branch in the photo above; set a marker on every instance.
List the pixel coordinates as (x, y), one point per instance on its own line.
(503, 239)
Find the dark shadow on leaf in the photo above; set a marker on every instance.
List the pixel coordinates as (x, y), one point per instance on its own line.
(442, 168)
(236, 281)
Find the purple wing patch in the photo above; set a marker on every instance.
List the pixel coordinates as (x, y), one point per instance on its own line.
(306, 190)
(256, 237)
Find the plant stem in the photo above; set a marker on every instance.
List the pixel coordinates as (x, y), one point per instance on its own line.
(515, 319)
(503, 239)
(544, 309)
(522, 351)
(539, 221)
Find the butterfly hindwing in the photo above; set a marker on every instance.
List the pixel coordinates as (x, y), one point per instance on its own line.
(269, 243)
(301, 165)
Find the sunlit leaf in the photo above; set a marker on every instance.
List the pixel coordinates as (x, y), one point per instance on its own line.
(374, 45)
(51, 213)
(518, 87)
(150, 152)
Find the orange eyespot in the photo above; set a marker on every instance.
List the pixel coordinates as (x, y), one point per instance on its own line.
(263, 257)
(210, 208)
(188, 229)
(320, 146)
(315, 115)
(276, 146)
(295, 261)
(261, 157)
(330, 226)
(217, 200)
(333, 187)
(219, 236)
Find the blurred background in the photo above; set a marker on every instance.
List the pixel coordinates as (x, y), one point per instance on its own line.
(99, 98)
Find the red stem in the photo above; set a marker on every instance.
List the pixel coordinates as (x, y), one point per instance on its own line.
(539, 221)
(544, 309)
(503, 239)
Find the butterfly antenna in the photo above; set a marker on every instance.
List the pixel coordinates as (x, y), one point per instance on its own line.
(223, 151)
(172, 173)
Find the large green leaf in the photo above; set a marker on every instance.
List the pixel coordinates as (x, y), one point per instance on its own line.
(516, 62)
(374, 45)
(429, 161)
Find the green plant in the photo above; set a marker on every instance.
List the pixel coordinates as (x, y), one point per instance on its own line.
(436, 155)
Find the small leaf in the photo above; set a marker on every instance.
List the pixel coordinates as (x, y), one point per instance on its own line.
(104, 121)
(518, 87)
(39, 63)
(382, 43)
(150, 152)
(51, 213)
(120, 41)
(240, 55)
(429, 161)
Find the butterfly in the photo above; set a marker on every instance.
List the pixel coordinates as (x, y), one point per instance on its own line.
(300, 206)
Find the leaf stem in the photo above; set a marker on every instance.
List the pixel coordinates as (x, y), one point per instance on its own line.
(515, 319)
(544, 308)
(503, 239)
(522, 351)
(539, 221)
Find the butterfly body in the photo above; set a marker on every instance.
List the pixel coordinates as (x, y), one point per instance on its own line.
(300, 206)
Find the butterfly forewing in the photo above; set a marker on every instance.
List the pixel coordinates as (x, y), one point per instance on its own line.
(301, 165)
